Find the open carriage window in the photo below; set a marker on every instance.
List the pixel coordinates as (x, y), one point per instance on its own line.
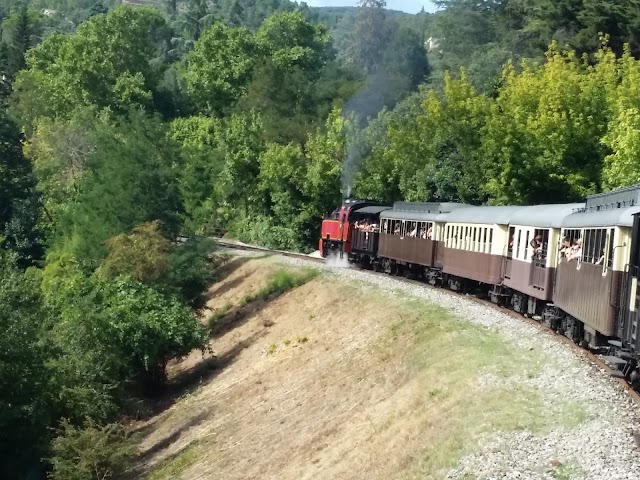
(594, 245)
(539, 246)
(512, 232)
(570, 245)
(610, 247)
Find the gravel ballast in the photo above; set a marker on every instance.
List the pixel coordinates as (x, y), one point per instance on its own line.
(600, 448)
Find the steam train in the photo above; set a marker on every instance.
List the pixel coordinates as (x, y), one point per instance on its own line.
(574, 267)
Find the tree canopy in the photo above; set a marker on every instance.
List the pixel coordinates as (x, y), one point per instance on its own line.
(130, 134)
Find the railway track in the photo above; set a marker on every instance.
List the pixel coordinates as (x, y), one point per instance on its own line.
(586, 354)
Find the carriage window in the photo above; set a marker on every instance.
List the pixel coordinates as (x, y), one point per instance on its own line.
(518, 242)
(611, 248)
(512, 232)
(490, 238)
(593, 250)
(571, 244)
(526, 245)
(539, 246)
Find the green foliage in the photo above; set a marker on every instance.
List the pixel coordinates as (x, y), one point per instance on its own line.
(369, 37)
(142, 254)
(26, 399)
(219, 68)
(290, 40)
(191, 270)
(552, 132)
(542, 142)
(623, 133)
(135, 331)
(126, 154)
(280, 282)
(91, 452)
(115, 71)
(20, 32)
(185, 269)
(203, 164)
(19, 200)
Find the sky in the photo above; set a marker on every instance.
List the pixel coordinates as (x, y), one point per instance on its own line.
(410, 6)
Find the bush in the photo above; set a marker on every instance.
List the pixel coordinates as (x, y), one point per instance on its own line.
(133, 330)
(146, 256)
(191, 270)
(90, 453)
(261, 230)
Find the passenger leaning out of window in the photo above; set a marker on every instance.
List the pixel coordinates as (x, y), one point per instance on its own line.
(565, 248)
(575, 252)
(536, 246)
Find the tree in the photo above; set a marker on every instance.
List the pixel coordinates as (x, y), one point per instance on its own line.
(542, 143)
(19, 200)
(370, 36)
(622, 138)
(22, 31)
(406, 57)
(290, 40)
(116, 71)
(146, 256)
(200, 174)
(141, 254)
(128, 179)
(219, 68)
(26, 398)
(92, 451)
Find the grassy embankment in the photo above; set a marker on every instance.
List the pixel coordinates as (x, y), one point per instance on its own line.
(336, 381)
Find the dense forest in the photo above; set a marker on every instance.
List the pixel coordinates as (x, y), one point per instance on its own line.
(128, 132)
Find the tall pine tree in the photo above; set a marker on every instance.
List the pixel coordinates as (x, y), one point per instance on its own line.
(370, 36)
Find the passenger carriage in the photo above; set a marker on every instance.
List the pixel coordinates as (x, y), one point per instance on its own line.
(475, 242)
(365, 233)
(587, 290)
(530, 274)
(408, 236)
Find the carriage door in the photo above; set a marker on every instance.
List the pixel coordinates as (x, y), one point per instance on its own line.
(508, 260)
(630, 295)
(538, 256)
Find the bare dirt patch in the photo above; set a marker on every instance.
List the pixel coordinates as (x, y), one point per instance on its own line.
(329, 381)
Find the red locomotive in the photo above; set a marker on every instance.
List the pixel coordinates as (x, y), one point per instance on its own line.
(337, 230)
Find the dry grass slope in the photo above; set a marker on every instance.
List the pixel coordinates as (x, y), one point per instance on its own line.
(337, 381)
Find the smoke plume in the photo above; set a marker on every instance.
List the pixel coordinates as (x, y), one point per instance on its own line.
(363, 106)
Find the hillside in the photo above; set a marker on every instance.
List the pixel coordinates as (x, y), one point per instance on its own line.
(342, 380)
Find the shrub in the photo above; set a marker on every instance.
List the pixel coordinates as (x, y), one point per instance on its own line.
(90, 453)
(133, 328)
(191, 270)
